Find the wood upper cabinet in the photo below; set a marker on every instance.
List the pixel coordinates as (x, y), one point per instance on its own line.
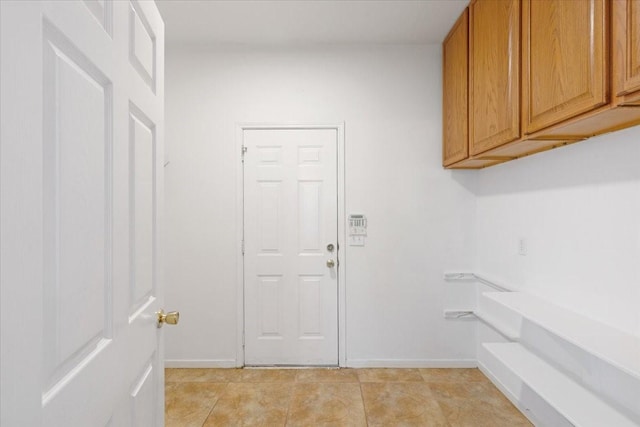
(541, 74)
(494, 74)
(626, 45)
(455, 50)
(565, 60)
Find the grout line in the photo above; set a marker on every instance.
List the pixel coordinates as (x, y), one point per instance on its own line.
(364, 405)
(286, 419)
(226, 385)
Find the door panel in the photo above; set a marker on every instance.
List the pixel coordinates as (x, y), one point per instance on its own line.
(103, 11)
(76, 166)
(81, 208)
(290, 198)
(142, 45)
(494, 74)
(142, 176)
(626, 30)
(310, 306)
(565, 60)
(143, 396)
(455, 83)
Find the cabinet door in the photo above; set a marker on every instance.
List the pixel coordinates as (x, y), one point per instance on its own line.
(494, 73)
(626, 32)
(455, 51)
(565, 61)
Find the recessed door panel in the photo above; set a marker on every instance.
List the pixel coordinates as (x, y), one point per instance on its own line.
(269, 156)
(310, 307)
(494, 74)
(142, 45)
(565, 60)
(143, 398)
(269, 216)
(103, 12)
(626, 49)
(142, 205)
(455, 92)
(309, 155)
(309, 216)
(77, 204)
(270, 302)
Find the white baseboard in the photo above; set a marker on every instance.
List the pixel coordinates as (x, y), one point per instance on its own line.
(351, 363)
(411, 363)
(213, 363)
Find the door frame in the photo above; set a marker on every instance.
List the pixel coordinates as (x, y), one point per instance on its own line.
(342, 240)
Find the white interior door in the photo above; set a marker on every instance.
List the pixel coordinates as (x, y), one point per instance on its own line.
(290, 219)
(81, 199)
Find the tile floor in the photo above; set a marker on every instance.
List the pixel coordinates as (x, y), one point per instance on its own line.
(336, 397)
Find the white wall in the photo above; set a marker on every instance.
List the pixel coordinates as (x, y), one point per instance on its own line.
(578, 207)
(420, 219)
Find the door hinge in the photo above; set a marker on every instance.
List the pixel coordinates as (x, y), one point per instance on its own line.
(243, 152)
(243, 339)
(242, 246)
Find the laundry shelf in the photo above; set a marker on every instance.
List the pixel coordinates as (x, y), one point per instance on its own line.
(580, 406)
(613, 346)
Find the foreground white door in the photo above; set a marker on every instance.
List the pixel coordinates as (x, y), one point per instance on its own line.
(81, 199)
(290, 223)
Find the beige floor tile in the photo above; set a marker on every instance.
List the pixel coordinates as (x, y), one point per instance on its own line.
(268, 375)
(245, 404)
(327, 404)
(475, 413)
(401, 404)
(189, 404)
(485, 392)
(476, 404)
(327, 376)
(457, 375)
(389, 375)
(183, 375)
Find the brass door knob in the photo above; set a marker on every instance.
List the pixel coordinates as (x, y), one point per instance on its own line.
(171, 317)
(331, 263)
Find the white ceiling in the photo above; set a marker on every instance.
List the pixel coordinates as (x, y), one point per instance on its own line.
(300, 22)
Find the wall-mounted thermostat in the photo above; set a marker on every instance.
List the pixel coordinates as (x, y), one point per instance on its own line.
(357, 229)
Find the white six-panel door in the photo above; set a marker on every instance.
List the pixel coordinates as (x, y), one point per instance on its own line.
(290, 218)
(81, 199)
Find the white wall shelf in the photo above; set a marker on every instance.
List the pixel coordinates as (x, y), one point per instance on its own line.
(600, 359)
(578, 405)
(613, 346)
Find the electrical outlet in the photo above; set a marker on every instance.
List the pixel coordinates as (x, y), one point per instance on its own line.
(522, 246)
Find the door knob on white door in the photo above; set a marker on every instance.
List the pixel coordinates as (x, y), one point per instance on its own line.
(331, 263)
(171, 318)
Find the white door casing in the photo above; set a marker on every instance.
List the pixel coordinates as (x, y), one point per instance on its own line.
(81, 197)
(290, 216)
